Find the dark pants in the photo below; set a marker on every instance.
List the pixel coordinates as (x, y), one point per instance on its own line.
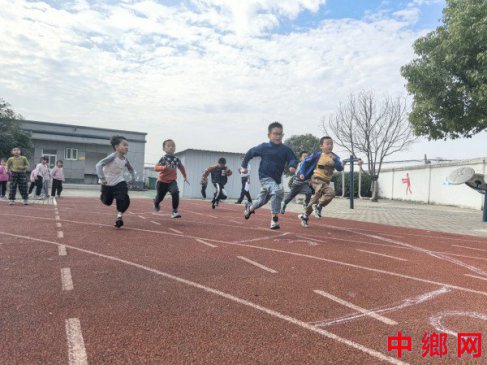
(39, 181)
(203, 190)
(118, 192)
(163, 189)
(18, 179)
(244, 193)
(57, 187)
(3, 188)
(218, 193)
(32, 186)
(299, 187)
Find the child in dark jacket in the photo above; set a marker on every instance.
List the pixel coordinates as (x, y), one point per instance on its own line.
(219, 177)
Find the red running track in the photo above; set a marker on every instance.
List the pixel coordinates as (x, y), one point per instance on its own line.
(213, 288)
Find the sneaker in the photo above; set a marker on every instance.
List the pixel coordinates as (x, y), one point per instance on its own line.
(283, 208)
(175, 215)
(157, 207)
(213, 205)
(304, 220)
(275, 223)
(238, 202)
(26, 202)
(119, 222)
(11, 202)
(317, 211)
(247, 211)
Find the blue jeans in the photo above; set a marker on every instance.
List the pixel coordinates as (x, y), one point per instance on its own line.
(272, 191)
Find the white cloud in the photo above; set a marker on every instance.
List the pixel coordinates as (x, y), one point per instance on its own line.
(184, 73)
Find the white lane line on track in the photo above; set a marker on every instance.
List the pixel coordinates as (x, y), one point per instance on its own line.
(58, 225)
(76, 344)
(76, 348)
(175, 231)
(477, 277)
(156, 223)
(57, 217)
(62, 250)
(66, 279)
(470, 248)
(291, 253)
(60, 234)
(205, 243)
(381, 254)
(257, 264)
(204, 215)
(364, 311)
(141, 217)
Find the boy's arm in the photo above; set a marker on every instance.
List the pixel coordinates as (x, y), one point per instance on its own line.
(253, 152)
(229, 172)
(208, 171)
(183, 171)
(9, 164)
(26, 162)
(103, 162)
(130, 169)
(309, 161)
(338, 162)
(292, 160)
(161, 165)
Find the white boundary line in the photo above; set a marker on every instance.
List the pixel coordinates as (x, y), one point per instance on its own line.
(60, 234)
(381, 254)
(175, 231)
(367, 312)
(66, 279)
(77, 351)
(156, 223)
(76, 344)
(205, 243)
(62, 250)
(58, 225)
(141, 217)
(470, 248)
(477, 277)
(257, 264)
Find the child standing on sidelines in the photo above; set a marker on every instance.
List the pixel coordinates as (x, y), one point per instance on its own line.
(219, 177)
(245, 178)
(110, 171)
(274, 156)
(167, 181)
(298, 186)
(57, 174)
(17, 165)
(4, 176)
(322, 165)
(42, 176)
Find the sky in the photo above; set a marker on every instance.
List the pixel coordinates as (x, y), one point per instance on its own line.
(211, 74)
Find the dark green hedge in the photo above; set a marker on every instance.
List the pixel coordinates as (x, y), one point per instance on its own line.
(366, 184)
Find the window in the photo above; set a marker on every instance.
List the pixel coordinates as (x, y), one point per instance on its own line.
(71, 154)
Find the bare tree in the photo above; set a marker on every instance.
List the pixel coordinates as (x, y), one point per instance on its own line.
(375, 128)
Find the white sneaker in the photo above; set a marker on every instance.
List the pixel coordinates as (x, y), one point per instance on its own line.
(317, 211)
(26, 202)
(275, 224)
(11, 202)
(304, 220)
(175, 215)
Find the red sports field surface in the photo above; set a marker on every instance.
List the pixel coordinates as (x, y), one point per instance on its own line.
(190, 290)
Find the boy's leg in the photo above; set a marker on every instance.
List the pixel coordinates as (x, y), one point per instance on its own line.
(59, 187)
(45, 188)
(121, 196)
(328, 193)
(39, 185)
(54, 187)
(23, 187)
(174, 191)
(317, 186)
(13, 187)
(203, 191)
(3, 188)
(106, 195)
(161, 193)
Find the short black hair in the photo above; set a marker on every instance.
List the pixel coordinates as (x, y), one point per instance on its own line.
(274, 125)
(222, 160)
(166, 141)
(45, 158)
(302, 153)
(322, 139)
(116, 140)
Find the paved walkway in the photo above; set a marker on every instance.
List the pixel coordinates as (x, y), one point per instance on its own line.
(394, 213)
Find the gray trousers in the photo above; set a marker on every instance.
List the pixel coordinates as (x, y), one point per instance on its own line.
(272, 191)
(299, 187)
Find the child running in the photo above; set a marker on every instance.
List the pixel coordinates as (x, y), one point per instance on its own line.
(274, 156)
(57, 174)
(320, 166)
(110, 171)
(219, 177)
(17, 165)
(298, 186)
(167, 181)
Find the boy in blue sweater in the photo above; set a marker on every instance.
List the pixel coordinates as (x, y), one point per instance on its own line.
(274, 156)
(320, 168)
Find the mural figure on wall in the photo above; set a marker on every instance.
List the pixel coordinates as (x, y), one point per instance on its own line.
(407, 181)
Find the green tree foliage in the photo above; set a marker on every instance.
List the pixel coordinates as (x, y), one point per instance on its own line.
(12, 133)
(303, 142)
(449, 78)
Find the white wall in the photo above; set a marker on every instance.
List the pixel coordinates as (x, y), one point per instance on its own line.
(429, 185)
